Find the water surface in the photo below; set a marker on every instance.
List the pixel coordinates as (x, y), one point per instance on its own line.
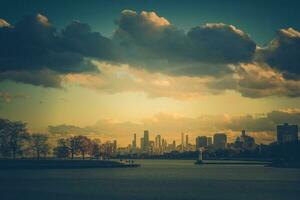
(156, 179)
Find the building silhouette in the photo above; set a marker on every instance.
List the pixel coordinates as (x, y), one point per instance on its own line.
(133, 145)
(220, 140)
(182, 141)
(209, 141)
(146, 141)
(245, 142)
(201, 141)
(187, 141)
(287, 133)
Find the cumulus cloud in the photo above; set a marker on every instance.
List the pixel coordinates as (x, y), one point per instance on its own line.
(34, 45)
(261, 126)
(283, 53)
(211, 58)
(256, 80)
(160, 46)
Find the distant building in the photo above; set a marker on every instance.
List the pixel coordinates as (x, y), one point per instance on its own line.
(220, 140)
(142, 145)
(146, 141)
(209, 141)
(174, 146)
(187, 141)
(245, 141)
(182, 141)
(158, 144)
(151, 147)
(287, 133)
(133, 146)
(201, 141)
(115, 147)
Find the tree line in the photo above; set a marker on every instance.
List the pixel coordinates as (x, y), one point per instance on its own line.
(16, 141)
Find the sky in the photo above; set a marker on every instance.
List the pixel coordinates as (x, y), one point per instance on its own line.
(109, 69)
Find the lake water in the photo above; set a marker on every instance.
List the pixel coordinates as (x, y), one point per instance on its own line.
(156, 179)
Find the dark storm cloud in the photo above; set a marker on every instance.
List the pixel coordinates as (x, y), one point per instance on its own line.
(43, 77)
(204, 50)
(221, 43)
(34, 51)
(33, 45)
(283, 53)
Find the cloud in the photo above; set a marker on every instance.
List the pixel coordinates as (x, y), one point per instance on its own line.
(262, 126)
(44, 77)
(283, 53)
(221, 43)
(256, 80)
(34, 45)
(122, 78)
(4, 23)
(250, 80)
(207, 59)
(7, 97)
(155, 43)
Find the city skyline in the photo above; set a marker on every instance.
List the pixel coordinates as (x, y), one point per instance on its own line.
(109, 69)
(149, 99)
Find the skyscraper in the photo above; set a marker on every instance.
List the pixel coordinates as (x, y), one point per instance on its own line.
(146, 141)
(182, 141)
(174, 145)
(115, 146)
(142, 145)
(209, 141)
(158, 143)
(201, 141)
(287, 133)
(187, 141)
(220, 140)
(133, 146)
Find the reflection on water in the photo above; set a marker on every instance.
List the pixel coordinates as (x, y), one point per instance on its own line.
(156, 179)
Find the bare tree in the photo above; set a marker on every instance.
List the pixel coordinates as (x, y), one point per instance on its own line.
(95, 149)
(39, 144)
(83, 145)
(72, 143)
(12, 137)
(62, 150)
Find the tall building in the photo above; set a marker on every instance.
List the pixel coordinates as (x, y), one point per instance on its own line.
(245, 141)
(209, 141)
(174, 145)
(146, 141)
(115, 146)
(151, 147)
(133, 146)
(142, 145)
(201, 141)
(287, 133)
(182, 141)
(187, 141)
(220, 140)
(158, 143)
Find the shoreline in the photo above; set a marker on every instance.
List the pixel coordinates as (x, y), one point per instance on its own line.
(62, 164)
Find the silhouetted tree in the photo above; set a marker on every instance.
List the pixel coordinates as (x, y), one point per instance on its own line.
(12, 137)
(62, 150)
(83, 145)
(95, 149)
(39, 144)
(72, 143)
